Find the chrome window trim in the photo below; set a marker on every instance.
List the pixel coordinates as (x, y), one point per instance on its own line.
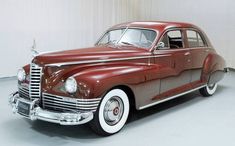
(179, 49)
(201, 35)
(165, 32)
(182, 29)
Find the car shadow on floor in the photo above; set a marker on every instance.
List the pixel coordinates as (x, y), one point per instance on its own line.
(50, 129)
(84, 132)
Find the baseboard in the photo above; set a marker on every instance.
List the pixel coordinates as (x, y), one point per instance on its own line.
(7, 78)
(231, 69)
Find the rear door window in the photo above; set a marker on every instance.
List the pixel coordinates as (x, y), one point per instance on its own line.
(194, 39)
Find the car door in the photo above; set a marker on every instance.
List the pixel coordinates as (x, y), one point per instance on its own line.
(195, 42)
(175, 62)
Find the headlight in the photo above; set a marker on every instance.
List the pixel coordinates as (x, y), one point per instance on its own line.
(71, 85)
(21, 75)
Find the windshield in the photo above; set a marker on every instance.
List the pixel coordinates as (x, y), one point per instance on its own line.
(132, 36)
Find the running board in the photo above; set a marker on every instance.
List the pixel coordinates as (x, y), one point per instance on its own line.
(169, 98)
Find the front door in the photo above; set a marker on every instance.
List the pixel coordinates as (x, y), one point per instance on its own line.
(175, 63)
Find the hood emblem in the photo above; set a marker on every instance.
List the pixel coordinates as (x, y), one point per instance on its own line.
(33, 50)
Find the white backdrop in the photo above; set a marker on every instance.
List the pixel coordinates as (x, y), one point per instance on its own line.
(68, 24)
(215, 17)
(56, 25)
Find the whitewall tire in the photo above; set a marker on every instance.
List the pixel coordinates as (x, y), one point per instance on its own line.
(208, 90)
(112, 113)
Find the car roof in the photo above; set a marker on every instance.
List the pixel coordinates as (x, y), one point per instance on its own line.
(160, 26)
(156, 25)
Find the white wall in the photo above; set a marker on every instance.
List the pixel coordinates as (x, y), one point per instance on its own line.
(56, 25)
(215, 17)
(68, 24)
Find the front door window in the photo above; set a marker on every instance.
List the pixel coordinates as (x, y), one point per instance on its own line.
(172, 40)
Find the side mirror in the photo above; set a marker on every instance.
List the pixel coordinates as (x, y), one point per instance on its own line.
(160, 45)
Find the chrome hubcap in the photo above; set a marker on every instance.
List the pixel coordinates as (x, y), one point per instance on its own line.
(113, 110)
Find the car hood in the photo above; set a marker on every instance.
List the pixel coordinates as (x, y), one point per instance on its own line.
(97, 53)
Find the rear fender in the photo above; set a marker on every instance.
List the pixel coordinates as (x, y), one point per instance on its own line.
(213, 69)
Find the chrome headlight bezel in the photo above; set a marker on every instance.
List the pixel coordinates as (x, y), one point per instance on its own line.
(71, 85)
(21, 75)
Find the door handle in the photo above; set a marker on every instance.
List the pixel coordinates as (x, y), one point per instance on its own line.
(187, 54)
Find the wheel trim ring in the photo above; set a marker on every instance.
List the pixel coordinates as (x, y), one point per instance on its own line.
(110, 110)
(211, 88)
(115, 128)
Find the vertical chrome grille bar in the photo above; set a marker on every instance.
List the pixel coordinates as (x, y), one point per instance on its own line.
(35, 81)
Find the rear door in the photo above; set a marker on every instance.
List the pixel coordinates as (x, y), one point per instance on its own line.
(195, 42)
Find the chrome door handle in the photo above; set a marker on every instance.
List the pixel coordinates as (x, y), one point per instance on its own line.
(187, 53)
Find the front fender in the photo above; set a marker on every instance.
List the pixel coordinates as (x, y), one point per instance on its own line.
(102, 78)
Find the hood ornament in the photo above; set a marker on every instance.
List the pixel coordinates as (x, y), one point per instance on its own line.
(33, 50)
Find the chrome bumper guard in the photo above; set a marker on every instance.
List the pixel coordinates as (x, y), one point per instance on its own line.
(37, 113)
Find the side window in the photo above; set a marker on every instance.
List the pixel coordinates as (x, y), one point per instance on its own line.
(175, 39)
(172, 39)
(194, 39)
(165, 40)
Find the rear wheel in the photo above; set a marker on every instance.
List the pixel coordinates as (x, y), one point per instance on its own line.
(112, 113)
(208, 90)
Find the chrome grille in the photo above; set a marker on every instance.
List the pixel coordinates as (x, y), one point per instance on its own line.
(23, 92)
(35, 81)
(59, 103)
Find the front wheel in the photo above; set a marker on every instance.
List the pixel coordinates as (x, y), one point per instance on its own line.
(208, 90)
(112, 113)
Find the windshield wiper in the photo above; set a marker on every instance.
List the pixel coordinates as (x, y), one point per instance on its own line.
(111, 42)
(130, 44)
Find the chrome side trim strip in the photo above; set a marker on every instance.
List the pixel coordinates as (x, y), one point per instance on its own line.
(103, 60)
(169, 98)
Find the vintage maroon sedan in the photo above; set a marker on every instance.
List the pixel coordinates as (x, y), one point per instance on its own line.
(133, 65)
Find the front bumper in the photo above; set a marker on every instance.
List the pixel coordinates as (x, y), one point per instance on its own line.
(37, 113)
